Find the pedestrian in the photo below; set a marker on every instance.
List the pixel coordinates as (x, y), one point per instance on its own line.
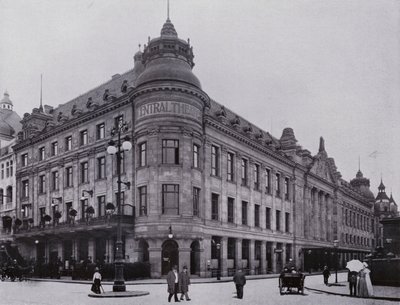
(364, 285)
(96, 281)
(352, 279)
(173, 283)
(240, 280)
(326, 273)
(184, 282)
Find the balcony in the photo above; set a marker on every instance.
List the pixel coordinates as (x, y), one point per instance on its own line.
(100, 224)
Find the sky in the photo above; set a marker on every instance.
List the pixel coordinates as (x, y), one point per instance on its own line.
(326, 68)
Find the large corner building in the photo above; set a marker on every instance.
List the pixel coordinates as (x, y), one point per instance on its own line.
(232, 195)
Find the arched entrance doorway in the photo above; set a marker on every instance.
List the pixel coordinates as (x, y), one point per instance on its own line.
(169, 256)
(195, 257)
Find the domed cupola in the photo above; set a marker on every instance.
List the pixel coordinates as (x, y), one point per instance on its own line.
(168, 59)
(362, 184)
(6, 103)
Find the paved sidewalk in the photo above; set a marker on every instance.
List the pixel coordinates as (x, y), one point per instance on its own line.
(387, 293)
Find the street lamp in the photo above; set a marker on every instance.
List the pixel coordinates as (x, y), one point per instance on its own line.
(335, 245)
(116, 148)
(170, 234)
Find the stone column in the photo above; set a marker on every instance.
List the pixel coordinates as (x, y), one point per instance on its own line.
(155, 260)
(283, 255)
(238, 253)
(91, 248)
(273, 257)
(224, 256)
(205, 257)
(251, 256)
(263, 261)
(184, 258)
(60, 250)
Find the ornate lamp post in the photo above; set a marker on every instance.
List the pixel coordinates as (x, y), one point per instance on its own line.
(335, 245)
(117, 149)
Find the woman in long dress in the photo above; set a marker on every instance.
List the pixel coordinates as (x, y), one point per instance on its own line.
(364, 284)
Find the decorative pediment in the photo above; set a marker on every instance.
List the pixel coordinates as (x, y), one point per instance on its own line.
(325, 167)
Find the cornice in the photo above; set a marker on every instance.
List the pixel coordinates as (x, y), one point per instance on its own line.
(250, 142)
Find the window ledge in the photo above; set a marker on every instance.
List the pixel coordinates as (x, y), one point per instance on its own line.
(216, 177)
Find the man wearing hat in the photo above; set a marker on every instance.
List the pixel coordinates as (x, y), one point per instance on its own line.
(184, 282)
(173, 283)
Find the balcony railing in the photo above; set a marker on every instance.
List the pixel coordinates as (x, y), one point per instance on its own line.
(103, 221)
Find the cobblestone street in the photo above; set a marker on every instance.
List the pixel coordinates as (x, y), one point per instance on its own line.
(264, 291)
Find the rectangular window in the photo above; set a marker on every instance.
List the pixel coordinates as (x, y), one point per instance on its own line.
(256, 176)
(231, 209)
(100, 131)
(196, 201)
(244, 172)
(54, 181)
(101, 205)
(244, 212)
(101, 167)
(143, 200)
(54, 148)
(245, 249)
(170, 199)
(143, 154)
(257, 215)
(231, 167)
(83, 136)
(214, 160)
(286, 188)
(118, 121)
(42, 152)
(214, 206)
(25, 189)
(68, 176)
(231, 248)
(287, 222)
(1, 196)
(68, 143)
(257, 250)
(121, 201)
(42, 184)
(122, 164)
(84, 172)
(278, 185)
(7, 169)
(2, 171)
(24, 159)
(268, 218)
(196, 156)
(278, 220)
(11, 168)
(170, 151)
(84, 206)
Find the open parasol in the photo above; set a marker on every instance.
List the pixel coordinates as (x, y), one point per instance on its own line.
(354, 265)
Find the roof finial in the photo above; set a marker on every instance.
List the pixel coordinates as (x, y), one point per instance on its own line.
(321, 144)
(139, 46)
(359, 162)
(167, 10)
(41, 105)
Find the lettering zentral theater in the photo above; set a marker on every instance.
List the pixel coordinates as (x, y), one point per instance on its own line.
(207, 188)
(165, 107)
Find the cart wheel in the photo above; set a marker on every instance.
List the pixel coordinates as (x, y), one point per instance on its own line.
(281, 290)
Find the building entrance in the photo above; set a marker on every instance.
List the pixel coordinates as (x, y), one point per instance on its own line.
(195, 258)
(169, 256)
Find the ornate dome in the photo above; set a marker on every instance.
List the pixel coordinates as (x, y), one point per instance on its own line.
(168, 58)
(362, 184)
(6, 103)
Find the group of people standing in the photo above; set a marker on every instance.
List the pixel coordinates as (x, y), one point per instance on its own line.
(360, 282)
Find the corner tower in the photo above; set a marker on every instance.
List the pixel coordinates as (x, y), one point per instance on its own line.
(168, 107)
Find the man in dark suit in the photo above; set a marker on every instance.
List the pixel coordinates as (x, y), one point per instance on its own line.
(173, 283)
(240, 280)
(352, 279)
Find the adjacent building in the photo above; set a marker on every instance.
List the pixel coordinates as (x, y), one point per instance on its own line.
(9, 127)
(207, 188)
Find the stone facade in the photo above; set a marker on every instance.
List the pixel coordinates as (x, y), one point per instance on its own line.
(230, 194)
